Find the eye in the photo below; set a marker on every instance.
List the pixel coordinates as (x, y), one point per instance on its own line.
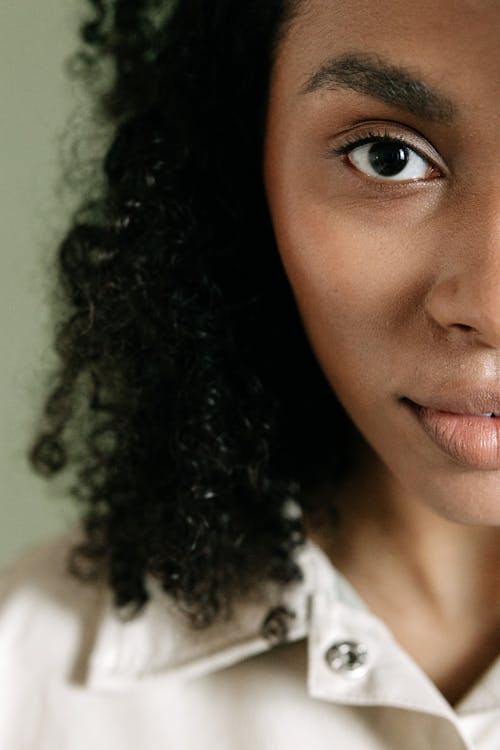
(389, 159)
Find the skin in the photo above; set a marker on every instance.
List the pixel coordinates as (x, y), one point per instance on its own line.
(398, 288)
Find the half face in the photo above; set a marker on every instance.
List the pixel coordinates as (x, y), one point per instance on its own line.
(382, 172)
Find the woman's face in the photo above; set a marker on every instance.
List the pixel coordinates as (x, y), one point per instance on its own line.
(382, 171)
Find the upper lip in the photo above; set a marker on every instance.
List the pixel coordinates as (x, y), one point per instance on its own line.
(471, 401)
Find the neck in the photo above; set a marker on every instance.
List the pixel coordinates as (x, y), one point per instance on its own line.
(399, 553)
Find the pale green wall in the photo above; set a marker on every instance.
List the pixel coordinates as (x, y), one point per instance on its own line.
(35, 100)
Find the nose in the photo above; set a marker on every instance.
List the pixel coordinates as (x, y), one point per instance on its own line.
(465, 298)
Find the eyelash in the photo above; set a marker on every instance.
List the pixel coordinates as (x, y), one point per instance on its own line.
(352, 142)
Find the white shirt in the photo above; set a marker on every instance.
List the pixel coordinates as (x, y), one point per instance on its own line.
(73, 676)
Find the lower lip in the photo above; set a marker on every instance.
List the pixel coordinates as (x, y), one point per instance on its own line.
(472, 440)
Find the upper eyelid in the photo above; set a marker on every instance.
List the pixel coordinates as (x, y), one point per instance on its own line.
(371, 131)
(352, 146)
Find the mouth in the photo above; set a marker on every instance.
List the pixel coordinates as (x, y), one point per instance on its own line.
(468, 435)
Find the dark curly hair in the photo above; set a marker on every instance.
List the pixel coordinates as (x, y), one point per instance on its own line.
(188, 403)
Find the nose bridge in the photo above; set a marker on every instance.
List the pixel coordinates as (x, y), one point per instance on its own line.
(466, 294)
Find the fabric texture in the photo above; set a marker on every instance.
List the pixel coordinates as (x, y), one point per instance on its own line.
(74, 676)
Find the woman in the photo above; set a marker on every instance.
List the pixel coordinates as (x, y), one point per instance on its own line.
(279, 385)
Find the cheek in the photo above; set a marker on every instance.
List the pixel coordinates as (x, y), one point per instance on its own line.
(348, 291)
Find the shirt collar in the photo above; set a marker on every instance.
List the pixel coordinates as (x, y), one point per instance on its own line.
(159, 643)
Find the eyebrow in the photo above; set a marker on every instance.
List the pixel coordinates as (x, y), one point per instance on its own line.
(372, 76)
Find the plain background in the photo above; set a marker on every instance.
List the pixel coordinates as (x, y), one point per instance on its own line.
(37, 99)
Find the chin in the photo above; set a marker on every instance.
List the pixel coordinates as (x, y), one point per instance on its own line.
(471, 503)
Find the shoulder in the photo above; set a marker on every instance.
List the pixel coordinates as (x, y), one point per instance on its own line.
(40, 578)
(69, 630)
(44, 610)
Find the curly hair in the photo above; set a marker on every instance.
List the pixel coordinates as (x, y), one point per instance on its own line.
(188, 403)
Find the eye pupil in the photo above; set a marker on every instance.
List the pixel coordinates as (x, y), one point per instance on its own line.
(388, 159)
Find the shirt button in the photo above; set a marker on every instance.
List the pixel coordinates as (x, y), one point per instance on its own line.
(348, 657)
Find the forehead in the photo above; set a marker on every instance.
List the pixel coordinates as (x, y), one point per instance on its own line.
(455, 42)
(405, 19)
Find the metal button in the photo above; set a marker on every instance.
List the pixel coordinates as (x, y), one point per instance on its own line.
(348, 657)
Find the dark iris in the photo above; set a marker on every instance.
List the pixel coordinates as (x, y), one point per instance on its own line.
(388, 159)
